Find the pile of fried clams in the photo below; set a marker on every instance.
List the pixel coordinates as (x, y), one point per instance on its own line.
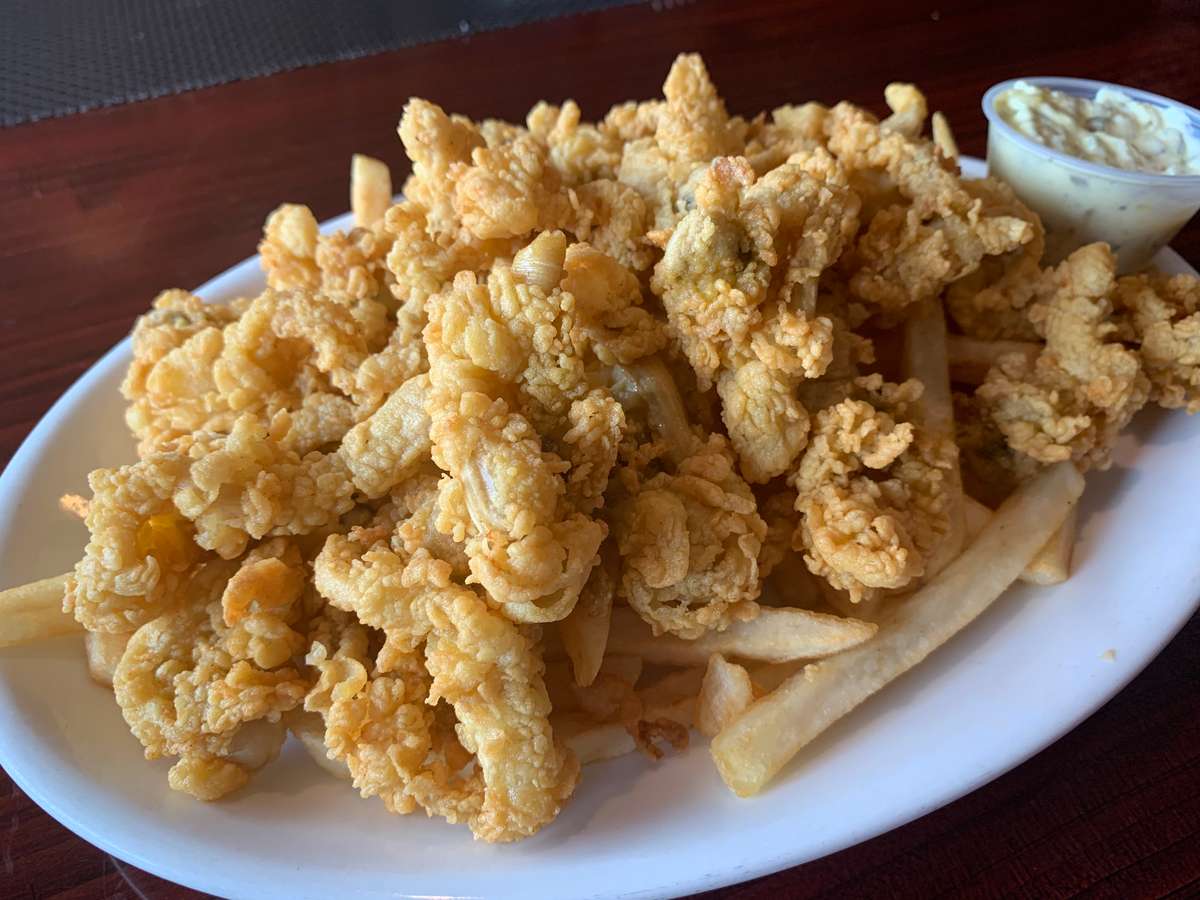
(631, 360)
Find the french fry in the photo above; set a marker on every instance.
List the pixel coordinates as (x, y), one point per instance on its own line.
(104, 651)
(751, 750)
(971, 358)
(925, 359)
(34, 612)
(584, 631)
(943, 137)
(724, 694)
(776, 635)
(370, 189)
(1052, 565)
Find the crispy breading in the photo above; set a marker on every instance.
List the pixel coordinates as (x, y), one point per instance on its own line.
(1084, 387)
(739, 283)
(187, 691)
(508, 361)
(689, 543)
(689, 129)
(480, 663)
(385, 448)
(1163, 312)
(937, 232)
(991, 302)
(579, 151)
(872, 491)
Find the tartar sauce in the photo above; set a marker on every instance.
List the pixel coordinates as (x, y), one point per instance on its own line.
(1112, 129)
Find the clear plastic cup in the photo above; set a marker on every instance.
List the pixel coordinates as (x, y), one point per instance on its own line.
(1081, 202)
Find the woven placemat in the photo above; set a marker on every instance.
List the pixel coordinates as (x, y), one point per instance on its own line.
(64, 56)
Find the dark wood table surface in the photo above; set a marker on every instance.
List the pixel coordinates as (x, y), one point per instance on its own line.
(101, 210)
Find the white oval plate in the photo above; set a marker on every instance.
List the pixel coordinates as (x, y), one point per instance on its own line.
(1031, 669)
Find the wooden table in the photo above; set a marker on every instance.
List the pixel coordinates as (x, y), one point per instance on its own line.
(103, 209)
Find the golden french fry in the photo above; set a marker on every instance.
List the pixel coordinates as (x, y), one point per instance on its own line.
(584, 631)
(724, 694)
(751, 750)
(943, 137)
(1052, 565)
(925, 359)
(104, 651)
(971, 358)
(34, 612)
(775, 635)
(370, 189)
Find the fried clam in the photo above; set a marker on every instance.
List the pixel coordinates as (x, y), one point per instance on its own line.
(924, 227)
(209, 680)
(486, 668)
(528, 443)
(872, 491)
(204, 493)
(738, 280)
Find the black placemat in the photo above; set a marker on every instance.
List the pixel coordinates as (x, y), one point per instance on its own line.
(64, 56)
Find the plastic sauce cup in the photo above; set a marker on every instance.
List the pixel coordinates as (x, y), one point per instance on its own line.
(1081, 202)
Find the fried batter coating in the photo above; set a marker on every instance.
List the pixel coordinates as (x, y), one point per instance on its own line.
(1163, 312)
(249, 484)
(385, 448)
(173, 348)
(509, 190)
(434, 142)
(872, 491)
(148, 521)
(506, 499)
(610, 319)
(690, 542)
(1074, 399)
(591, 444)
(185, 690)
(480, 663)
(936, 234)
(991, 303)
(347, 265)
(689, 129)
(285, 351)
(507, 362)
(739, 283)
(139, 549)
(579, 151)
